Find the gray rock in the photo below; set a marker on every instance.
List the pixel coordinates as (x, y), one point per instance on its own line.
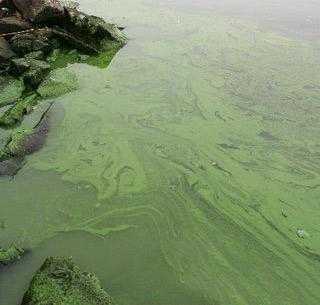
(13, 24)
(26, 43)
(36, 74)
(40, 11)
(6, 52)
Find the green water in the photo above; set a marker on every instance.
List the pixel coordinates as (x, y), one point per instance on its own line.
(180, 174)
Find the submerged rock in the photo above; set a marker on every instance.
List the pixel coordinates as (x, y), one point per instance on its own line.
(24, 141)
(9, 255)
(60, 282)
(57, 83)
(10, 90)
(15, 114)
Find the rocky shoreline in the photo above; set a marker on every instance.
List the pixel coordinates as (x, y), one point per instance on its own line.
(33, 34)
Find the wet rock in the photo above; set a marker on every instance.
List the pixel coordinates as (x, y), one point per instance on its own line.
(92, 27)
(13, 24)
(40, 11)
(26, 43)
(9, 255)
(10, 90)
(10, 167)
(6, 52)
(39, 55)
(60, 281)
(25, 141)
(19, 66)
(15, 114)
(6, 8)
(37, 73)
(34, 70)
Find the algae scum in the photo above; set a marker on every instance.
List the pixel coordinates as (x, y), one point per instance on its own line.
(188, 172)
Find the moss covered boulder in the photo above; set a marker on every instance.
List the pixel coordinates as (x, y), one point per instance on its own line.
(9, 255)
(60, 282)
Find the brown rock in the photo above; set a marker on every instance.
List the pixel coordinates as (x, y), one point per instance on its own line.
(40, 11)
(13, 24)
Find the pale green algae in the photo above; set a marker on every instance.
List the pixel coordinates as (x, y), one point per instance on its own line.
(147, 137)
(57, 83)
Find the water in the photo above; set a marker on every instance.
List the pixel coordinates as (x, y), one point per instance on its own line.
(183, 172)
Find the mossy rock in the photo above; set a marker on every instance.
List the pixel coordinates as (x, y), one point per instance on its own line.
(37, 73)
(16, 144)
(60, 282)
(26, 43)
(10, 90)
(57, 83)
(93, 28)
(15, 114)
(9, 255)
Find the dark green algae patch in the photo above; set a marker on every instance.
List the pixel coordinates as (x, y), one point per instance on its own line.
(35, 70)
(59, 281)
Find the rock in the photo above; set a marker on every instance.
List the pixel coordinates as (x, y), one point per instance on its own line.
(57, 83)
(10, 90)
(25, 140)
(19, 66)
(10, 255)
(40, 11)
(10, 167)
(36, 74)
(92, 27)
(22, 65)
(59, 282)
(6, 52)
(34, 70)
(26, 43)
(6, 8)
(39, 55)
(15, 114)
(13, 24)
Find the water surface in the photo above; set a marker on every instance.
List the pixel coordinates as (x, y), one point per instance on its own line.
(181, 174)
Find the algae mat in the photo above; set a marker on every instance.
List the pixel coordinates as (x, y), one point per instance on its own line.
(188, 172)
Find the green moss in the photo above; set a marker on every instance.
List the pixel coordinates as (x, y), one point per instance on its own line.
(15, 114)
(15, 145)
(60, 282)
(103, 59)
(10, 255)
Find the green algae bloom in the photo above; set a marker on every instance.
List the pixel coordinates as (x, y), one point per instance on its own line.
(58, 83)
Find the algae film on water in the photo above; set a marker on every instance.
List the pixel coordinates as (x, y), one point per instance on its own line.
(159, 152)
